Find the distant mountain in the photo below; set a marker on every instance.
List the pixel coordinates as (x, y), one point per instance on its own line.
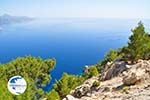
(8, 19)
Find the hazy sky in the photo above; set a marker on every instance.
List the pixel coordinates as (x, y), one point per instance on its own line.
(77, 8)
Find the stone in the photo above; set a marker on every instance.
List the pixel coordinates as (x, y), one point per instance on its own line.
(113, 70)
(81, 91)
(133, 76)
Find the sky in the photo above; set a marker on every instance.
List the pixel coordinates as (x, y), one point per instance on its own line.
(77, 8)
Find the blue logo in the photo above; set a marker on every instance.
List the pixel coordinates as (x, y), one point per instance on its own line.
(17, 85)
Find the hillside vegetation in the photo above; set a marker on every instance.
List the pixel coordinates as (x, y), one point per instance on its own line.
(35, 71)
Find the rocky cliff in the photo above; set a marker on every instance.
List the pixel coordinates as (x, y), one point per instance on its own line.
(118, 81)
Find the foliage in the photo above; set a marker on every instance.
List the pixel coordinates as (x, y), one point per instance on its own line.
(35, 71)
(90, 72)
(138, 46)
(125, 89)
(53, 95)
(95, 84)
(66, 84)
(112, 55)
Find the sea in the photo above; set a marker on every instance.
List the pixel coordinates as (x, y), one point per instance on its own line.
(73, 42)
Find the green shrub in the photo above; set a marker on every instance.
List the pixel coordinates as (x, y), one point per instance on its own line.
(53, 95)
(91, 71)
(96, 84)
(112, 55)
(125, 89)
(66, 84)
(35, 71)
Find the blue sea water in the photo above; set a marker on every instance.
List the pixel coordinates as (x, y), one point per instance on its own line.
(74, 43)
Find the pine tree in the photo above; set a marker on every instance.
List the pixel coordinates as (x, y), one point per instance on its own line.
(66, 84)
(138, 44)
(35, 71)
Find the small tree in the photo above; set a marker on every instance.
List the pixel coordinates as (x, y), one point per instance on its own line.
(91, 71)
(66, 84)
(112, 55)
(53, 95)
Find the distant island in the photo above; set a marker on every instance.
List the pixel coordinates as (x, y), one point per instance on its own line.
(8, 19)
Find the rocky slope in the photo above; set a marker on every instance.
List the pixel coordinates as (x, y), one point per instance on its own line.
(119, 81)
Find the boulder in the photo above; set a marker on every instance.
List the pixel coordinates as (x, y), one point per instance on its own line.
(81, 91)
(84, 89)
(113, 69)
(135, 74)
(130, 79)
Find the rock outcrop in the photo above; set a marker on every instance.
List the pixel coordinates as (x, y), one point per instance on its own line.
(139, 72)
(113, 69)
(119, 81)
(85, 89)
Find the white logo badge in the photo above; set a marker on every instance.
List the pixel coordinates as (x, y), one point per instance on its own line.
(17, 85)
